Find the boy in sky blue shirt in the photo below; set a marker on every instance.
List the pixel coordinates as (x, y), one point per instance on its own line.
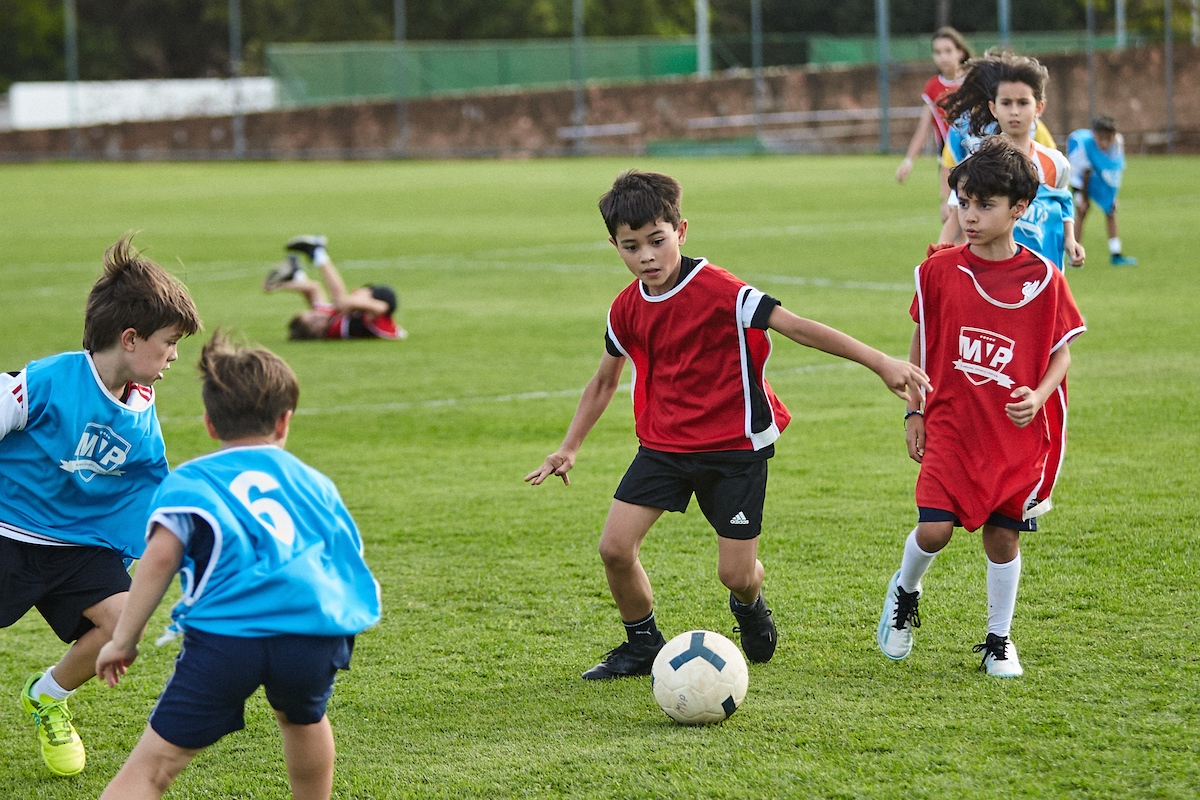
(81, 453)
(274, 585)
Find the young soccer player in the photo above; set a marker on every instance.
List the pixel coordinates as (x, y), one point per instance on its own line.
(994, 320)
(81, 453)
(950, 54)
(706, 418)
(1097, 159)
(1005, 93)
(275, 586)
(363, 313)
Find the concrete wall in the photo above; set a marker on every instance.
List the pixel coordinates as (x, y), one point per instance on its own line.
(1129, 86)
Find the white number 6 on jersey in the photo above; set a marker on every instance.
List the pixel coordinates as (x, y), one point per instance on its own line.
(270, 513)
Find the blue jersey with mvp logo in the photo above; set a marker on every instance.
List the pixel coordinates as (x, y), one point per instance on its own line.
(78, 466)
(269, 547)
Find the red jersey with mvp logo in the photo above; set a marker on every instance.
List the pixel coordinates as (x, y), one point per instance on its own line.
(699, 355)
(988, 327)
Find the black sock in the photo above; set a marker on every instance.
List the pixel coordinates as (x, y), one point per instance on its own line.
(737, 606)
(644, 631)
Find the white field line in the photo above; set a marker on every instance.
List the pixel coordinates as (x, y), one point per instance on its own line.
(448, 402)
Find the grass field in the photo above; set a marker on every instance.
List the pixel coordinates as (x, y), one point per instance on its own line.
(494, 596)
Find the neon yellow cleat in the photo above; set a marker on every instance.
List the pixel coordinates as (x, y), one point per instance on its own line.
(62, 749)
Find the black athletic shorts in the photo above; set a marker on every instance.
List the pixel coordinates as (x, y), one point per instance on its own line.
(729, 488)
(60, 582)
(214, 674)
(999, 520)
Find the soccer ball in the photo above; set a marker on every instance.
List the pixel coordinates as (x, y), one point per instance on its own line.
(699, 677)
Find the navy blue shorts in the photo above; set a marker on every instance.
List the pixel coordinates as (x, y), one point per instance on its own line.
(60, 582)
(730, 491)
(999, 520)
(214, 675)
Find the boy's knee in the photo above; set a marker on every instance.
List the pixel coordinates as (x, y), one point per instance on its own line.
(616, 554)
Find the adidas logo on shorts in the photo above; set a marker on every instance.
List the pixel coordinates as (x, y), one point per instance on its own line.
(739, 519)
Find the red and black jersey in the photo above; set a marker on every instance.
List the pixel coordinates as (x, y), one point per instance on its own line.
(699, 355)
(988, 327)
(357, 324)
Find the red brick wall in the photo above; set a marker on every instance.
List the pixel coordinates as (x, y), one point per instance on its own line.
(1129, 86)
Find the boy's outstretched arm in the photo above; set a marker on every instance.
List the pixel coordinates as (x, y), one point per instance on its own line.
(596, 397)
(158, 565)
(1030, 401)
(900, 376)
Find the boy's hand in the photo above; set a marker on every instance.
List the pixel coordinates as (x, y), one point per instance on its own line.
(113, 662)
(914, 436)
(900, 376)
(1025, 409)
(1075, 253)
(556, 463)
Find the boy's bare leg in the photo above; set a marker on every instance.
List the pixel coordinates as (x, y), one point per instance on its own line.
(624, 530)
(150, 769)
(1001, 544)
(739, 569)
(312, 291)
(79, 662)
(309, 752)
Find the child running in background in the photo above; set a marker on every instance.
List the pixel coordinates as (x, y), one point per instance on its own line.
(993, 323)
(364, 313)
(81, 453)
(950, 54)
(706, 418)
(1097, 159)
(1005, 93)
(274, 585)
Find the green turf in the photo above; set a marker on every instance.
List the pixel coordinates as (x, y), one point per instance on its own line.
(494, 596)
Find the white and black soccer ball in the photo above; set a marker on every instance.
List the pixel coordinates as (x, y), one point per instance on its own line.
(699, 677)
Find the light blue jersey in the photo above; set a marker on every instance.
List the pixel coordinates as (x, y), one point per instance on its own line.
(270, 548)
(1103, 168)
(77, 465)
(1040, 228)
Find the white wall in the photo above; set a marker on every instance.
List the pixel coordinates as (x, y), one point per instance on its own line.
(41, 105)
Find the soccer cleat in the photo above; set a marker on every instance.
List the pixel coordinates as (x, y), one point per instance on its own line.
(999, 657)
(62, 749)
(1119, 260)
(626, 661)
(756, 627)
(900, 615)
(287, 270)
(305, 244)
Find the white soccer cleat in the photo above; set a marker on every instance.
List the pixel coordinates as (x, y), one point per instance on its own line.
(999, 657)
(900, 615)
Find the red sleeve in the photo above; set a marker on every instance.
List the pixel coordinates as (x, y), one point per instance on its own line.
(1068, 322)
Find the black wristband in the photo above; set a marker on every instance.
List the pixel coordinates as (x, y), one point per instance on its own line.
(917, 413)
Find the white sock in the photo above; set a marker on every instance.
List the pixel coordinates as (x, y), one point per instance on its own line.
(320, 257)
(46, 685)
(1002, 581)
(1114, 245)
(916, 562)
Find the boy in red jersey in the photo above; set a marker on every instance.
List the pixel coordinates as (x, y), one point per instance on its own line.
(994, 320)
(705, 416)
(362, 313)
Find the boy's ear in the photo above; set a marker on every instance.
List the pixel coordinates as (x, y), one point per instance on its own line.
(208, 426)
(613, 242)
(128, 338)
(283, 424)
(681, 229)
(1019, 208)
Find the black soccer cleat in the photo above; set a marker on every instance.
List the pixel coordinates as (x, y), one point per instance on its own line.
(305, 244)
(756, 627)
(626, 661)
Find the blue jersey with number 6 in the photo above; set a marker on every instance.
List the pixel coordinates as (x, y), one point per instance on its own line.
(269, 547)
